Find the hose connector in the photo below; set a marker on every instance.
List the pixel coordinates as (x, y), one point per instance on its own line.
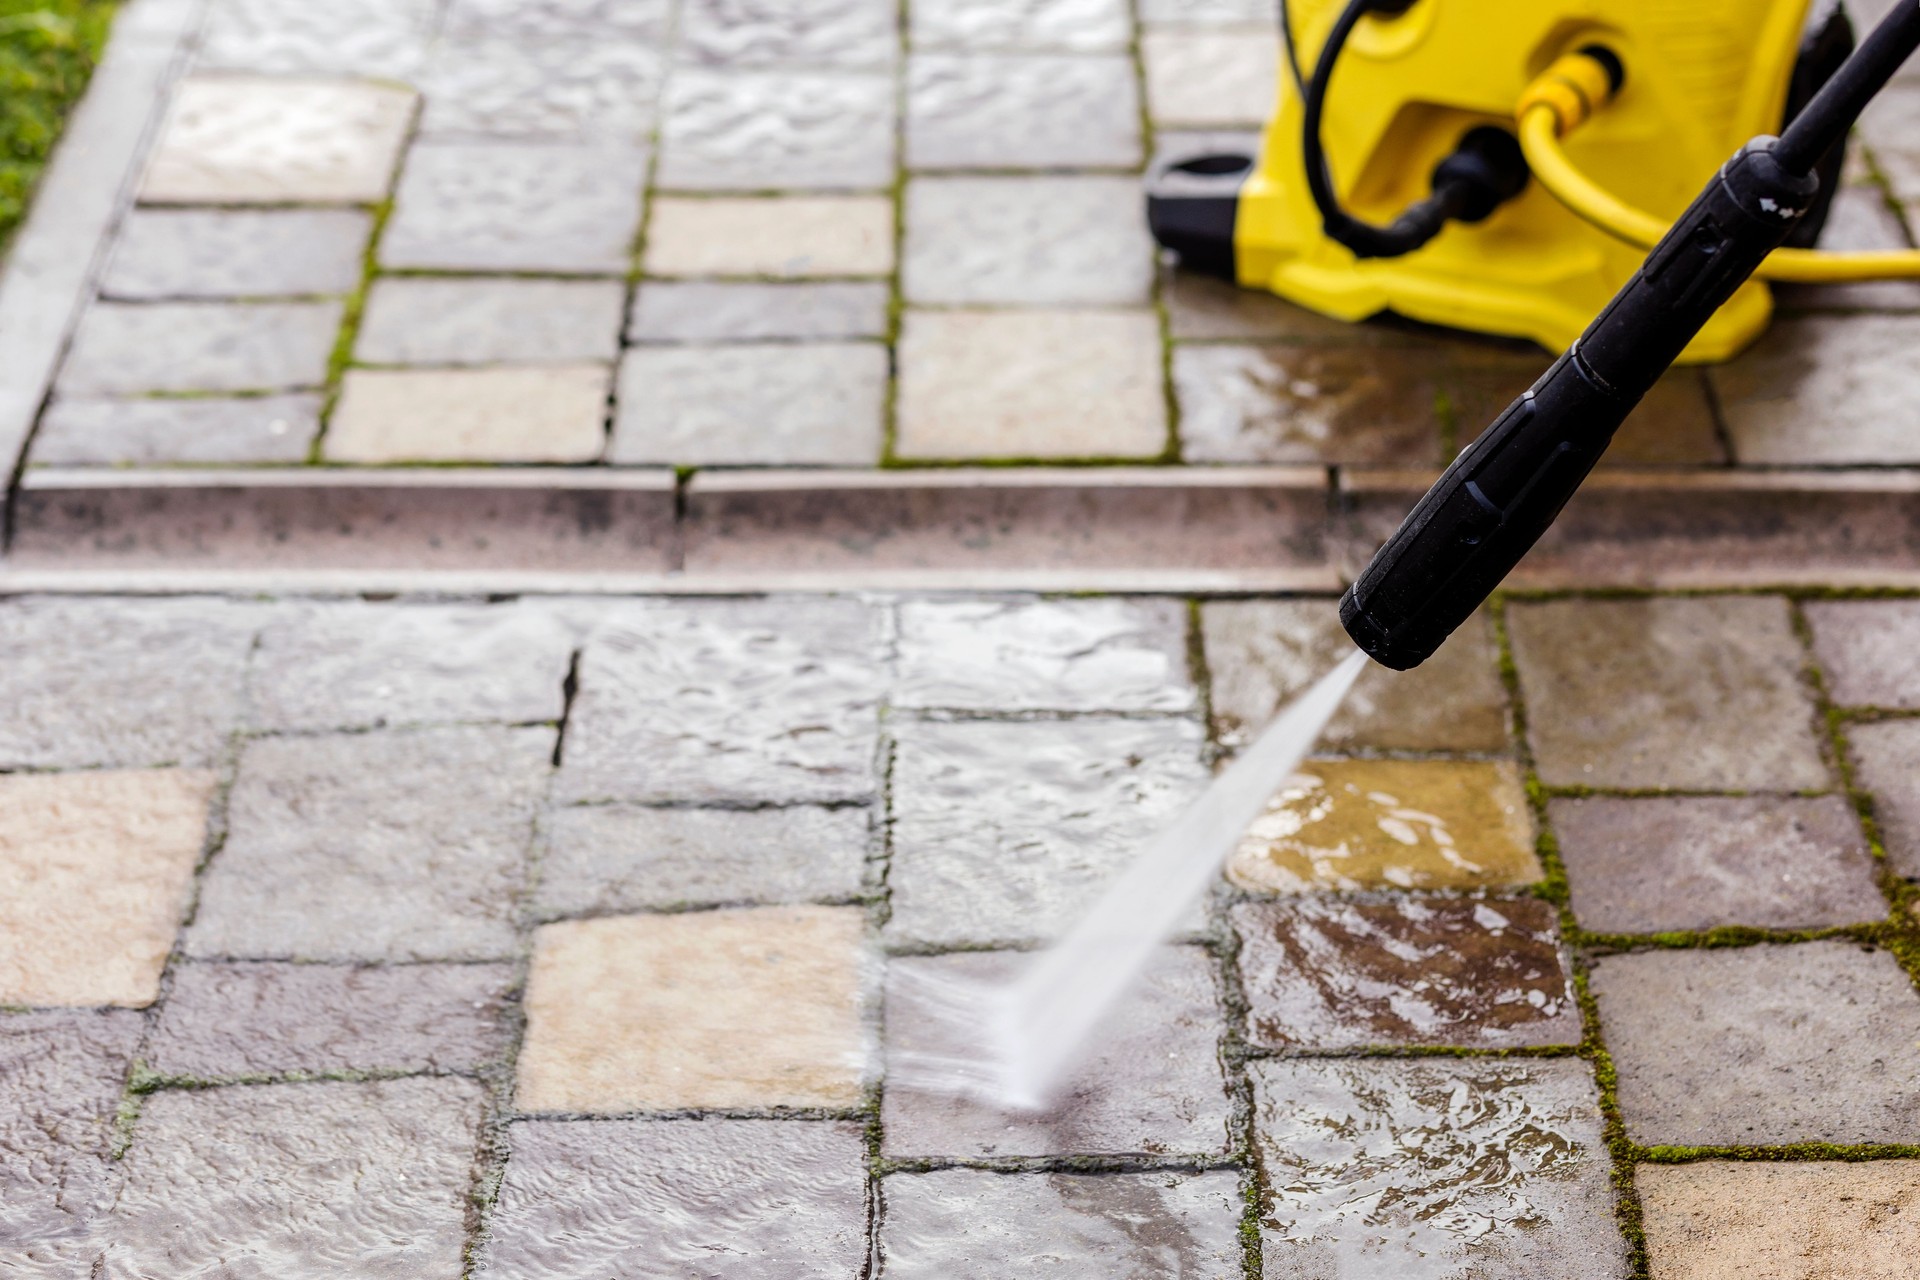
(1575, 86)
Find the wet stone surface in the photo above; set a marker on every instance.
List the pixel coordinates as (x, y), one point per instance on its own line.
(785, 237)
(1346, 404)
(762, 130)
(237, 253)
(1869, 651)
(715, 311)
(1026, 111)
(543, 413)
(1721, 1220)
(1886, 760)
(497, 321)
(110, 433)
(1041, 241)
(513, 87)
(1081, 26)
(1823, 391)
(127, 349)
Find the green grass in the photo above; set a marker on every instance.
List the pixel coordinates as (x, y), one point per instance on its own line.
(48, 48)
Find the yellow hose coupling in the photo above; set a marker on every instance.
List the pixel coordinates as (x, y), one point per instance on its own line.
(1574, 87)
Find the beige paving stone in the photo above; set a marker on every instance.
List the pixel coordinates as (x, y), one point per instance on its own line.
(94, 871)
(262, 140)
(1207, 79)
(1402, 824)
(792, 237)
(1754, 1220)
(1869, 651)
(1030, 384)
(554, 413)
(753, 1008)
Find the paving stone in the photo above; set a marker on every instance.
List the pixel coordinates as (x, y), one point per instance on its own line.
(1027, 241)
(544, 413)
(237, 253)
(790, 237)
(1207, 308)
(379, 38)
(765, 130)
(1673, 426)
(1039, 384)
(773, 700)
(743, 33)
(1763, 1045)
(1021, 111)
(354, 665)
(1666, 863)
(607, 858)
(648, 19)
(1823, 391)
(128, 349)
(1005, 832)
(712, 311)
(162, 680)
(1326, 976)
(1887, 128)
(1344, 404)
(1866, 650)
(1400, 824)
(1886, 761)
(274, 140)
(490, 321)
(584, 1200)
(390, 846)
(1211, 78)
(111, 433)
(296, 1180)
(1434, 1169)
(586, 88)
(227, 1020)
(706, 1009)
(1703, 694)
(1262, 654)
(1076, 26)
(1198, 13)
(1152, 1085)
(1731, 1219)
(968, 1224)
(502, 206)
(1044, 655)
(752, 403)
(1860, 219)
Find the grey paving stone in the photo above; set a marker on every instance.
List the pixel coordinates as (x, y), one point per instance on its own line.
(1005, 832)
(468, 206)
(1078, 26)
(297, 1180)
(1824, 391)
(356, 665)
(126, 349)
(1349, 403)
(114, 682)
(767, 130)
(1650, 865)
(754, 1199)
(839, 33)
(713, 311)
(1763, 1045)
(1869, 651)
(1021, 111)
(1434, 1169)
(377, 38)
(1205, 307)
(764, 700)
(1151, 1086)
(750, 403)
(648, 19)
(1026, 241)
(251, 1019)
(1219, 77)
(1201, 13)
(1689, 694)
(1044, 655)
(109, 433)
(1887, 127)
(377, 846)
(418, 320)
(237, 253)
(1886, 762)
(587, 88)
(1859, 220)
(968, 1224)
(602, 859)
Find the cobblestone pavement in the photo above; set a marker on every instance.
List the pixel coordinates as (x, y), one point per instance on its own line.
(571, 938)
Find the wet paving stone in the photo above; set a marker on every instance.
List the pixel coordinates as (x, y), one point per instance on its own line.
(739, 701)
(1021, 111)
(1720, 1219)
(237, 253)
(1858, 220)
(742, 404)
(967, 1224)
(1345, 404)
(1887, 128)
(393, 846)
(1867, 651)
(1005, 832)
(544, 413)
(583, 89)
(383, 39)
(299, 1180)
(490, 321)
(1823, 391)
(784, 237)
(1886, 761)
(127, 349)
(815, 33)
(249, 1019)
(112, 433)
(1668, 863)
(1205, 308)
(1212, 78)
(765, 130)
(1325, 977)
(1261, 654)
(1702, 694)
(706, 1009)
(269, 140)
(646, 19)
(1434, 1169)
(588, 1199)
(1763, 1045)
(1152, 1086)
(504, 206)
(608, 858)
(1077, 26)
(1043, 655)
(1017, 241)
(696, 311)
(1391, 824)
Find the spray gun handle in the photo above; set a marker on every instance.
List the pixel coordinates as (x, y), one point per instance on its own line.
(1506, 488)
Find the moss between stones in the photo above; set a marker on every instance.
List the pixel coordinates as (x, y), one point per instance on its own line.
(48, 49)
